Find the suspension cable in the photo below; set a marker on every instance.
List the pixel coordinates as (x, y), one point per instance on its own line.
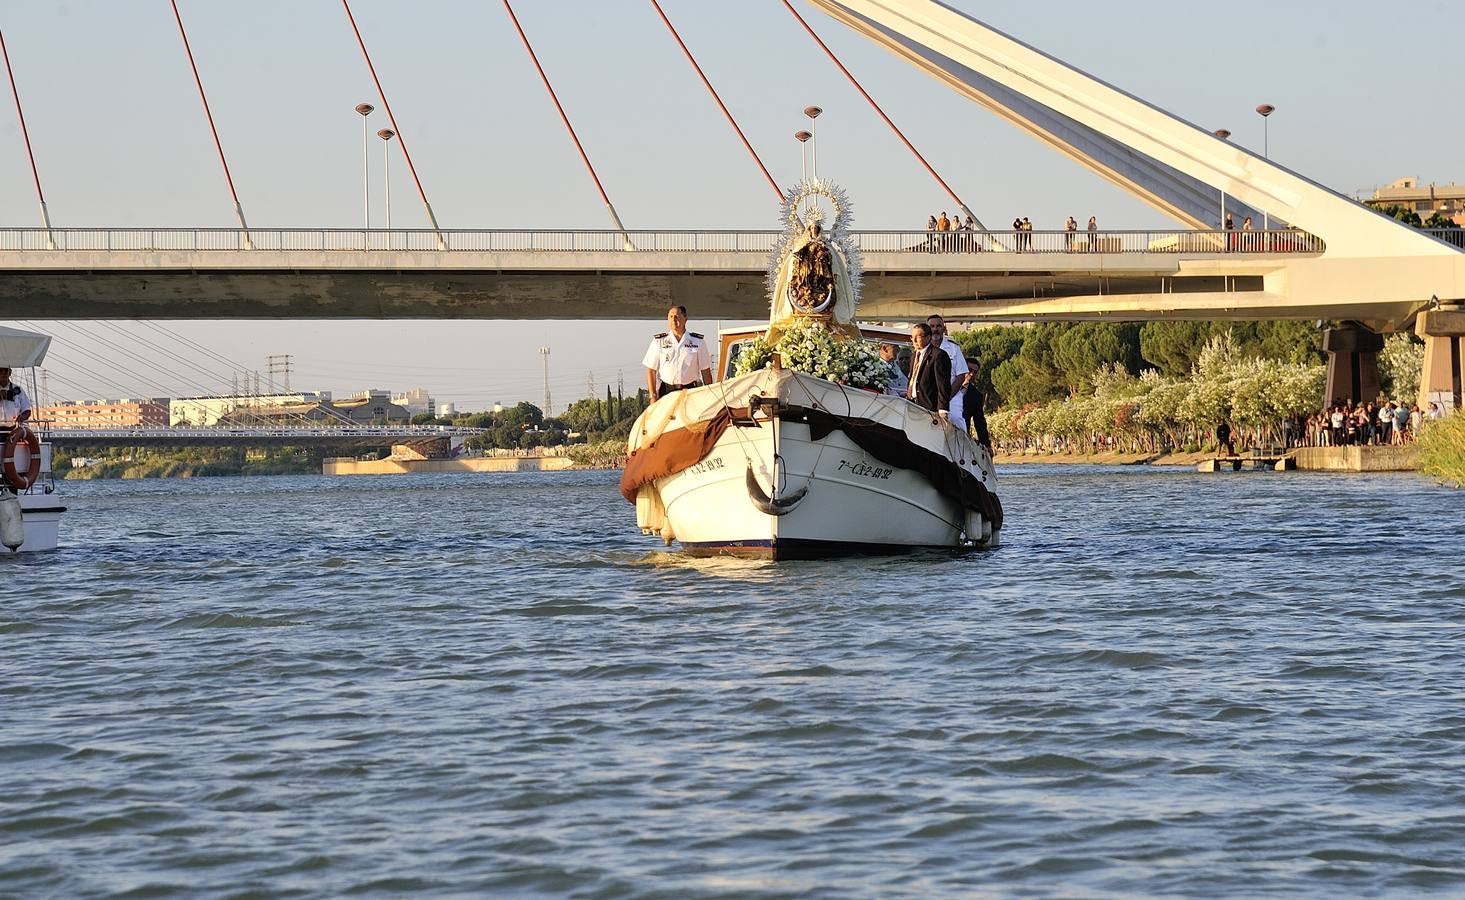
(401, 138)
(208, 114)
(898, 133)
(35, 173)
(720, 105)
(533, 57)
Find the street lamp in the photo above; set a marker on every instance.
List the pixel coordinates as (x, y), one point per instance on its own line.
(803, 138)
(1225, 135)
(364, 109)
(813, 113)
(386, 134)
(1265, 111)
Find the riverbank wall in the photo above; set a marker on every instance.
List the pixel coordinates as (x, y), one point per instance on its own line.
(1358, 459)
(350, 466)
(1309, 459)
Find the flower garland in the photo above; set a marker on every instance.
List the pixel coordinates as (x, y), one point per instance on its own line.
(808, 345)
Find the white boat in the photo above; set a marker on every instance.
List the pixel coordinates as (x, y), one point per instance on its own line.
(33, 485)
(778, 463)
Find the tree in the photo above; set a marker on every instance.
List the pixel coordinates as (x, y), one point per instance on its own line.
(1402, 213)
(1401, 365)
(424, 418)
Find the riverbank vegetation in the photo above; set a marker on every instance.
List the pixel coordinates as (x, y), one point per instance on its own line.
(1442, 449)
(1097, 387)
(196, 463)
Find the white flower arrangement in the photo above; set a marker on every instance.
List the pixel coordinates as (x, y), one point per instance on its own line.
(808, 345)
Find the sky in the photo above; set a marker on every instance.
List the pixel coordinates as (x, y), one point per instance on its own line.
(120, 140)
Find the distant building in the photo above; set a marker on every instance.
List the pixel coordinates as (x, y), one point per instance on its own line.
(1446, 199)
(358, 411)
(447, 410)
(415, 401)
(202, 412)
(104, 415)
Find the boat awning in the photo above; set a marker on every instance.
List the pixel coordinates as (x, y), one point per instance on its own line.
(22, 349)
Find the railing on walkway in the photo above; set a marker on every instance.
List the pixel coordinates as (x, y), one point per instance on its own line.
(1455, 236)
(190, 240)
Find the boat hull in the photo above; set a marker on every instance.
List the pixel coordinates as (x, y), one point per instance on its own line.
(774, 486)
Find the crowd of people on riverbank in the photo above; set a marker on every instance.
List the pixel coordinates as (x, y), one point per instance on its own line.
(1346, 424)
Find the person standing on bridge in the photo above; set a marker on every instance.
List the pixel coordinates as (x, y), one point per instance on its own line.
(677, 358)
(15, 406)
(1070, 228)
(1093, 234)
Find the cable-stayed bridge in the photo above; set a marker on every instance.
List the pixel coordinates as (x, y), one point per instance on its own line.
(1318, 253)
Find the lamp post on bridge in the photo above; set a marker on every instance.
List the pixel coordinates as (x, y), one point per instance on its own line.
(386, 134)
(813, 113)
(364, 110)
(1265, 111)
(803, 138)
(1225, 135)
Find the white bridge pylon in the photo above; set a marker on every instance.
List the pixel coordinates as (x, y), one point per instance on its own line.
(1175, 166)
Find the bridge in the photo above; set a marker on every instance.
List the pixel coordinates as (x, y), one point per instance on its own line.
(342, 437)
(610, 274)
(1327, 256)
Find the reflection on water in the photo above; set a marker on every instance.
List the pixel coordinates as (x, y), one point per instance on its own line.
(1161, 683)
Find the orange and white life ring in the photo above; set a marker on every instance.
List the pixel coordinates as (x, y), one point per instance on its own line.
(22, 435)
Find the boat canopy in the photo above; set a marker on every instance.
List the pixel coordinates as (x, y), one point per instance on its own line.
(22, 349)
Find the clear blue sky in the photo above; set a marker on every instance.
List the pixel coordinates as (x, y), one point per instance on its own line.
(121, 139)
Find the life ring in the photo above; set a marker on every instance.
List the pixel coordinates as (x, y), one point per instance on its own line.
(22, 435)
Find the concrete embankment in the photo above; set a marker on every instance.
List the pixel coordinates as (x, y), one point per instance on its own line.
(349, 466)
(1358, 459)
(1309, 459)
(1101, 459)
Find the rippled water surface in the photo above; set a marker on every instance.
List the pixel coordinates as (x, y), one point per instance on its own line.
(1162, 683)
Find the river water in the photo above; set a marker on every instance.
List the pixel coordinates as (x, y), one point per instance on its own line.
(1162, 683)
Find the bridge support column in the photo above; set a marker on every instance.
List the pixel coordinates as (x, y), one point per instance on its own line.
(1443, 331)
(1353, 364)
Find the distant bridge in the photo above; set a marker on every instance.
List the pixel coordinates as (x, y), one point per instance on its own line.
(344, 437)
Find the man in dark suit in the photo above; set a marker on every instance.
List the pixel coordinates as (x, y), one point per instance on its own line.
(930, 372)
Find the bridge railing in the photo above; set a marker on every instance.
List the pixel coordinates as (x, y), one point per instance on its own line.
(1455, 236)
(345, 240)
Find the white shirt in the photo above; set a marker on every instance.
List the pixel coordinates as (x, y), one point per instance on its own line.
(678, 361)
(9, 409)
(958, 360)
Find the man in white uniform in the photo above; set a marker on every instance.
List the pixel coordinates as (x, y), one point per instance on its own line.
(15, 406)
(960, 373)
(677, 358)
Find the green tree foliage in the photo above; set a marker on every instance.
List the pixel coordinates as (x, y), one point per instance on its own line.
(1402, 213)
(1401, 366)
(424, 418)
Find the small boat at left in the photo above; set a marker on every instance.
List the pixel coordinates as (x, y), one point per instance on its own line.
(30, 508)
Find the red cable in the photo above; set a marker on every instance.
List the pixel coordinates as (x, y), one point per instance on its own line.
(202, 96)
(866, 95)
(21, 113)
(720, 105)
(564, 118)
(401, 141)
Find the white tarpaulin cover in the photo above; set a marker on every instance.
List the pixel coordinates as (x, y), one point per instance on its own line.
(22, 349)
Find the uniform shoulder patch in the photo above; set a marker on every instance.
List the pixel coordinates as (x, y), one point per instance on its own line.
(696, 335)
(659, 336)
